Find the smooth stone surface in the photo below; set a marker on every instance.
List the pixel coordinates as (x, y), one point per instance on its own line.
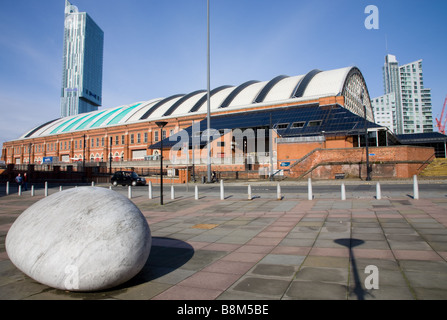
(81, 239)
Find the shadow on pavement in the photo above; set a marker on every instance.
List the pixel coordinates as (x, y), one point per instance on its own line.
(166, 255)
(351, 243)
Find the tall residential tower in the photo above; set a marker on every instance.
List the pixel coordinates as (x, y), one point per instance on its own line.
(82, 63)
(406, 106)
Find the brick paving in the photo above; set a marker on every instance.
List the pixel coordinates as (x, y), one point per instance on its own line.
(268, 249)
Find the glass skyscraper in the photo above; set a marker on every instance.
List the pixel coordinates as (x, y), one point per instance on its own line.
(82, 63)
(406, 106)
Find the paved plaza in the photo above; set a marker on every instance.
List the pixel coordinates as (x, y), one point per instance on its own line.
(269, 249)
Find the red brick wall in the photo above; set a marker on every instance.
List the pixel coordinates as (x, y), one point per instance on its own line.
(390, 162)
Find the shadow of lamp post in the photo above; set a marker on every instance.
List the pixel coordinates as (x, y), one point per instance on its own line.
(350, 243)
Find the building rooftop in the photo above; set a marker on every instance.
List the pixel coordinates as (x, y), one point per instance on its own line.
(280, 90)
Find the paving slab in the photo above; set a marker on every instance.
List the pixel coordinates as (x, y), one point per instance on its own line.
(268, 249)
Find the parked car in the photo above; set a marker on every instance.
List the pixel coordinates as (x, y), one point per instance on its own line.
(127, 178)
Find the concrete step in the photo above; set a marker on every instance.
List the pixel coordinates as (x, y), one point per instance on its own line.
(437, 168)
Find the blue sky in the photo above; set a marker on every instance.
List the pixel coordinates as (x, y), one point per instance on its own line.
(157, 48)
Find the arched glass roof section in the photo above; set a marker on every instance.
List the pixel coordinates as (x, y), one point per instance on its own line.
(282, 90)
(159, 104)
(122, 114)
(49, 128)
(248, 95)
(205, 97)
(63, 125)
(302, 86)
(269, 86)
(356, 94)
(141, 110)
(38, 128)
(235, 92)
(101, 120)
(89, 120)
(181, 101)
(74, 123)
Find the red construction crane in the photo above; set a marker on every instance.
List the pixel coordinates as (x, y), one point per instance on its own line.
(441, 122)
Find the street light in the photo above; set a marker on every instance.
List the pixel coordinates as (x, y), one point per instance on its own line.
(368, 169)
(208, 113)
(161, 125)
(110, 153)
(83, 159)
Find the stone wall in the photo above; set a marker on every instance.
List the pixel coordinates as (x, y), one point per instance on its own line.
(386, 162)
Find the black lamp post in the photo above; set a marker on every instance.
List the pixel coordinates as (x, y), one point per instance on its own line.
(83, 156)
(368, 169)
(161, 125)
(110, 153)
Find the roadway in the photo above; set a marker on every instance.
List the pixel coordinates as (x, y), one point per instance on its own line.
(289, 189)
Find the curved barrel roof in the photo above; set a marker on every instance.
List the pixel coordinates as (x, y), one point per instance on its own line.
(281, 89)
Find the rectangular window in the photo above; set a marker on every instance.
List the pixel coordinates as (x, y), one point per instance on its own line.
(131, 139)
(155, 136)
(117, 140)
(296, 125)
(122, 139)
(102, 142)
(164, 134)
(145, 137)
(97, 142)
(314, 123)
(282, 126)
(138, 137)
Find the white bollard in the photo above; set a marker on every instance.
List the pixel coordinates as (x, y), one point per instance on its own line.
(278, 192)
(110, 187)
(129, 192)
(20, 190)
(415, 188)
(222, 192)
(60, 188)
(7, 187)
(378, 191)
(32, 191)
(309, 189)
(343, 192)
(93, 183)
(150, 190)
(249, 193)
(196, 196)
(172, 193)
(46, 189)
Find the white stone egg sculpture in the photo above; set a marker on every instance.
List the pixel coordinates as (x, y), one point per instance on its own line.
(82, 239)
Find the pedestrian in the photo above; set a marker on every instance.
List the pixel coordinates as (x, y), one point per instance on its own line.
(25, 182)
(19, 180)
